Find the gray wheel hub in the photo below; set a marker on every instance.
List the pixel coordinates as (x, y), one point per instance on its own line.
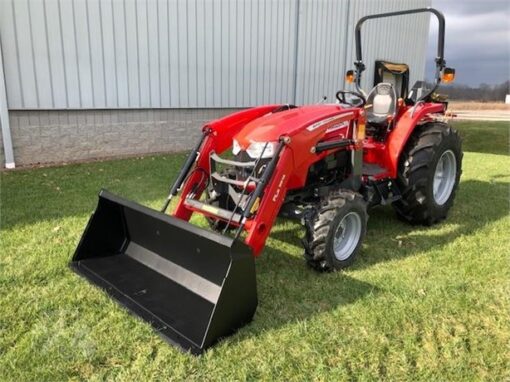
(444, 177)
(347, 236)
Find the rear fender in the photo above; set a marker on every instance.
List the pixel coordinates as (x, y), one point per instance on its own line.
(405, 126)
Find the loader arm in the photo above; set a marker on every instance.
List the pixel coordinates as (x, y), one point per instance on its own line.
(219, 138)
(264, 201)
(270, 203)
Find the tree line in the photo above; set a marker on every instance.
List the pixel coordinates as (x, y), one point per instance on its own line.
(483, 93)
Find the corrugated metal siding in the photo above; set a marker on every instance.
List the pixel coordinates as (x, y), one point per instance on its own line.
(72, 54)
(401, 39)
(321, 49)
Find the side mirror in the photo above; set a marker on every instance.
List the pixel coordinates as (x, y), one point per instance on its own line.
(448, 75)
(349, 76)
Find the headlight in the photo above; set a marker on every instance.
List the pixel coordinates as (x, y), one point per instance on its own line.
(235, 147)
(261, 149)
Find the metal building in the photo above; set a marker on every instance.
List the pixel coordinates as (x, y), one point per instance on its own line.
(95, 78)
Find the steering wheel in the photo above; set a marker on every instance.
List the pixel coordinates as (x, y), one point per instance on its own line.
(340, 96)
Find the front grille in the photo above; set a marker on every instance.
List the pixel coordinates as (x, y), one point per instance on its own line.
(243, 173)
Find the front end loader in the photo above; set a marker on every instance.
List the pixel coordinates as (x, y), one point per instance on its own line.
(324, 165)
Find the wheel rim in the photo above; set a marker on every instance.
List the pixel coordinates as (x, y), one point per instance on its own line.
(347, 235)
(444, 177)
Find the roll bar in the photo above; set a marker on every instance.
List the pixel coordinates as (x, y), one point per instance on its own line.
(440, 62)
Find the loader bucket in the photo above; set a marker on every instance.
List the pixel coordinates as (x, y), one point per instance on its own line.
(192, 285)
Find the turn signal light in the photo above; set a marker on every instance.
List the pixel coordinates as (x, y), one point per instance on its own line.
(448, 75)
(349, 76)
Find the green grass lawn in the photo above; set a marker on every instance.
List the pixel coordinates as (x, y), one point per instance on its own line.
(421, 303)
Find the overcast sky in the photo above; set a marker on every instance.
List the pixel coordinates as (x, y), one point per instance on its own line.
(477, 40)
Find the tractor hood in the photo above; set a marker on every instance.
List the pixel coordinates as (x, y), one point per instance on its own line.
(270, 127)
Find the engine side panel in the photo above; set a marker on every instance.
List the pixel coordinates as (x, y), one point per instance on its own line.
(341, 126)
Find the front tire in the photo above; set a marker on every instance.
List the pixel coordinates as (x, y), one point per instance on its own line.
(429, 172)
(335, 230)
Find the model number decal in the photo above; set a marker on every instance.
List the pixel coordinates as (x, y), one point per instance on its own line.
(316, 125)
(337, 127)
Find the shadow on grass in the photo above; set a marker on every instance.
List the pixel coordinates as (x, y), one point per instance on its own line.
(477, 204)
(289, 291)
(44, 194)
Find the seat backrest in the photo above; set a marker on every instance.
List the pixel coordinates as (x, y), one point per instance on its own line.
(393, 73)
(381, 102)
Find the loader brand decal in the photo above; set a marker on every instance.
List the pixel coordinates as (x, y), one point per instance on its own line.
(278, 190)
(330, 120)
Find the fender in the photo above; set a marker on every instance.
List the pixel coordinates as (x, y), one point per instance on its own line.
(399, 136)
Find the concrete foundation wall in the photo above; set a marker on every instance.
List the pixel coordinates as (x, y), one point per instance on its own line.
(43, 137)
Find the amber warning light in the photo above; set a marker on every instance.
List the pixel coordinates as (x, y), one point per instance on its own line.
(349, 76)
(448, 75)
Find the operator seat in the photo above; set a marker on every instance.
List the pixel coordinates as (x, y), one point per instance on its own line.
(381, 107)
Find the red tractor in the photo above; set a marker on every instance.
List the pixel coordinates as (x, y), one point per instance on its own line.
(324, 165)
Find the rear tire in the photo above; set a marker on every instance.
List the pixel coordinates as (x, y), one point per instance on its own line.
(335, 230)
(429, 172)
